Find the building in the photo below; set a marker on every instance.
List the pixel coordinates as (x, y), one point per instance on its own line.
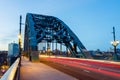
(13, 49)
(13, 53)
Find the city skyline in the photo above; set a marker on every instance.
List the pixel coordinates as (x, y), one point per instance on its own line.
(91, 20)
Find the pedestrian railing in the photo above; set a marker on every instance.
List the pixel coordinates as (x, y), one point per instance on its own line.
(13, 73)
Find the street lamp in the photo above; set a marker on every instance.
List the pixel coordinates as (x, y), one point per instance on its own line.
(20, 39)
(115, 43)
(20, 46)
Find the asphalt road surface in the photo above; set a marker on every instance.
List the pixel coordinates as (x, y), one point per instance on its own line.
(84, 70)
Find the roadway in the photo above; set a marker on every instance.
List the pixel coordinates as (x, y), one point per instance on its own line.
(84, 69)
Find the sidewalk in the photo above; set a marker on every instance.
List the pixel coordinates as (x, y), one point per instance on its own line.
(39, 71)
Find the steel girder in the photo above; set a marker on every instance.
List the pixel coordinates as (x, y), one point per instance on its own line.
(50, 29)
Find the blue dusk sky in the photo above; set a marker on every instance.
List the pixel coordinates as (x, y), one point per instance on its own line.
(90, 20)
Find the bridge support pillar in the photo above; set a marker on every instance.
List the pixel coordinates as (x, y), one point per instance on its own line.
(33, 54)
(61, 49)
(75, 49)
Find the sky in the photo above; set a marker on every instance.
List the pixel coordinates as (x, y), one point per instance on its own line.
(91, 20)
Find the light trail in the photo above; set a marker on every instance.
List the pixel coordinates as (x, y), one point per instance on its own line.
(108, 68)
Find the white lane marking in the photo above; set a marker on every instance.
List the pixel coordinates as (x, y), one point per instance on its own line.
(86, 71)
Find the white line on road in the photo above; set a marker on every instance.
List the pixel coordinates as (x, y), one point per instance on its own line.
(86, 71)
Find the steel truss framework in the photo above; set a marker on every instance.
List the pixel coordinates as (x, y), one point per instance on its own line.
(40, 28)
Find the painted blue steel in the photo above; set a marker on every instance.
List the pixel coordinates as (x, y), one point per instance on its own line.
(50, 29)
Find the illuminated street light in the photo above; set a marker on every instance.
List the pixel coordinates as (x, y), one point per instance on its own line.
(20, 40)
(115, 43)
(19, 36)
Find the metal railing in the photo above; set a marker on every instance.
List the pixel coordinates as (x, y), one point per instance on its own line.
(13, 73)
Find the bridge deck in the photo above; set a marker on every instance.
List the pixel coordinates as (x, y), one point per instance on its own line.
(39, 71)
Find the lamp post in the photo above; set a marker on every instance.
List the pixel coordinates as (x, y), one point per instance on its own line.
(114, 43)
(20, 39)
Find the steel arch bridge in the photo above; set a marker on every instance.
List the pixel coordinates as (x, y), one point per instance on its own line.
(40, 28)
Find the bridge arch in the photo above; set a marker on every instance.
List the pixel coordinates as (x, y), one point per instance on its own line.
(40, 28)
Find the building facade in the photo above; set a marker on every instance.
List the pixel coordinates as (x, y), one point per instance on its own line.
(13, 49)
